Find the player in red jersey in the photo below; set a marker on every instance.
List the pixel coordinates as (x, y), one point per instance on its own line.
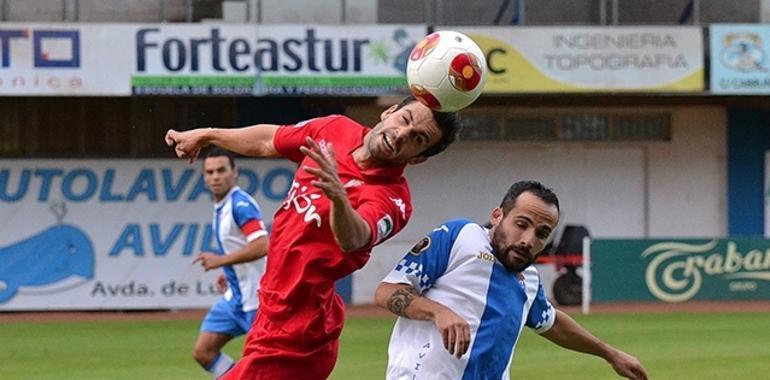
(348, 195)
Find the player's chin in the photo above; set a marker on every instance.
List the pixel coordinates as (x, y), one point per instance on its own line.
(516, 264)
(385, 154)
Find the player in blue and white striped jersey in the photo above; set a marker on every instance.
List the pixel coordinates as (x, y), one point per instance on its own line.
(464, 293)
(241, 240)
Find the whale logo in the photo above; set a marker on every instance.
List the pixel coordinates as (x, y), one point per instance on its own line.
(60, 255)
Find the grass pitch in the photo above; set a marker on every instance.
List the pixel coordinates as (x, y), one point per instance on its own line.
(671, 346)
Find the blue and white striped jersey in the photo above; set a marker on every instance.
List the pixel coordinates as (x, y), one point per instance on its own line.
(454, 266)
(238, 221)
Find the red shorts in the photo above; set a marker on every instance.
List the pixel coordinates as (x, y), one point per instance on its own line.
(272, 354)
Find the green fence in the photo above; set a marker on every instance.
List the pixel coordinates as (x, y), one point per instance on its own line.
(680, 270)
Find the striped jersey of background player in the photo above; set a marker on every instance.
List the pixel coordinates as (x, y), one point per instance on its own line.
(464, 292)
(348, 195)
(241, 240)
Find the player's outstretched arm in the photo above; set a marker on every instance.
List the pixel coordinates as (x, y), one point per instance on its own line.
(254, 250)
(569, 334)
(405, 301)
(254, 141)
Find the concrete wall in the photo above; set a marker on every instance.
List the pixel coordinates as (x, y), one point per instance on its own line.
(442, 12)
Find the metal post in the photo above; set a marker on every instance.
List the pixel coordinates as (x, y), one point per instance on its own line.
(603, 12)
(163, 10)
(522, 12)
(696, 12)
(344, 11)
(189, 11)
(615, 12)
(252, 11)
(586, 296)
(3, 11)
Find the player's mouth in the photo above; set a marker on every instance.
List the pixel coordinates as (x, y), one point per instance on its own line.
(387, 142)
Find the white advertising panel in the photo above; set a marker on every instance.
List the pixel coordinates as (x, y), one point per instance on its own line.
(204, 59)
(65, 59)
(115, 234)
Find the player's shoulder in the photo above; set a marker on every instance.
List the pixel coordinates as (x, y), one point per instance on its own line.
(337, 121)
(241, 198)
(459, 224)
(453, 228)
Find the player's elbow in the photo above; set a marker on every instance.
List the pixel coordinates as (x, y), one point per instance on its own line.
(382, 294)
(350, 245)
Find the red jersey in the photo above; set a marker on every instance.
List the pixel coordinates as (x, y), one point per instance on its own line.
(304, 261)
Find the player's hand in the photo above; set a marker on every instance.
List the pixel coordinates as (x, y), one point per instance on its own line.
(328, 179)
(208, 260)
(221, 283)
(627, 366)
(454, 330)
(186, 144)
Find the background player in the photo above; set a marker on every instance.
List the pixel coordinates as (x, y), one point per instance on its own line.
(242, 242)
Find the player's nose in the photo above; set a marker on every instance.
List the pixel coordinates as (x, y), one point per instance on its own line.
(401, 134)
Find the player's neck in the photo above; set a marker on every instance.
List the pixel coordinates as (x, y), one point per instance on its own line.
(363, 158)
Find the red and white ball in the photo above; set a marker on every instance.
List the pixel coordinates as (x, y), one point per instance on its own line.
(446, 71)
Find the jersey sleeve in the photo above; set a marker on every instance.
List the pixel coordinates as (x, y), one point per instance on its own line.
(428, 260)
(542, 315)
(289, 138)
(386, 209)
(248, 217)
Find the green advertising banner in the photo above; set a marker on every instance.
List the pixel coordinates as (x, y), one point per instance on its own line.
(259, 60)
(680, 270)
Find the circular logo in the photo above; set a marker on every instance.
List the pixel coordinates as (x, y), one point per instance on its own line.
(421, 246)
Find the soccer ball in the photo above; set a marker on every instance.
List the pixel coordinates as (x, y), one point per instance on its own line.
(446, 71)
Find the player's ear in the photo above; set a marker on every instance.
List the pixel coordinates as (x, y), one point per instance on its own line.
(497, 216)
(388, 111)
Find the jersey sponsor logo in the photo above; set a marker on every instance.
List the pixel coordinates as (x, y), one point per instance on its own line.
(421, 246)
(241, 204)
(401, 206)
(353, 183)
(384, 228)
(486, 256)
(303, 203)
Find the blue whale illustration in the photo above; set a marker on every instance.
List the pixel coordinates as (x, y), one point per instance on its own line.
(46, 258)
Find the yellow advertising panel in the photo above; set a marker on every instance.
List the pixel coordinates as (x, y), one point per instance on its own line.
(586, 59)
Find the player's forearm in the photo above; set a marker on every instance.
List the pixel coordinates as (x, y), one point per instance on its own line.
(253, 141)
(350, 230)
(404, 300)
(254, 250)
(569, 334)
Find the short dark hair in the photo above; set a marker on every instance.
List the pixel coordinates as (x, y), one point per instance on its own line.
(448, 122)
(219, 152)
(534, 187)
